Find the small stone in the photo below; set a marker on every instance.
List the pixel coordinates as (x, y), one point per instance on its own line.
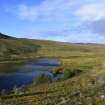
(102, 96)
(63, 100)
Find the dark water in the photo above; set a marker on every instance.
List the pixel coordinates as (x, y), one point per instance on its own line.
(24, 73)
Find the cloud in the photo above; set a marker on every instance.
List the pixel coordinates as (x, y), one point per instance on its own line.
(92, 15)
(25, 12)
(64, 20)
(47, 10)
(98, 27)
(91, 12)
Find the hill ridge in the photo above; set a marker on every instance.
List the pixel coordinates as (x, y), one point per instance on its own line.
(3, 36)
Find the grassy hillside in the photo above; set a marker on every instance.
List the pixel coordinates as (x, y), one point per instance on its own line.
(13, 48)
(87, 88)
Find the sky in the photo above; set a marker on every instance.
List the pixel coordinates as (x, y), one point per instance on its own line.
(77, 21)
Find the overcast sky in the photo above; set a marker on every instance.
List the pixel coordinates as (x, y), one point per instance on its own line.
(60, 20)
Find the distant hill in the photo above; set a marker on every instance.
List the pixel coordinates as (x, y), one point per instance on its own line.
(3, 36)
(11, 48)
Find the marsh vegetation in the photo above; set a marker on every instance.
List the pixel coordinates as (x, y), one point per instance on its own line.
(83, 82)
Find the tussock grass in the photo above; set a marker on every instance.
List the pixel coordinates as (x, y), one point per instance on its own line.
(88, 88)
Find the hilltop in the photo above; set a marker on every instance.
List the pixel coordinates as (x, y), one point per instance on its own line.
(3, 36)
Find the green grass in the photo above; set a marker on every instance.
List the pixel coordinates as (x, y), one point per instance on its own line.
(85, 88)
(16, 48)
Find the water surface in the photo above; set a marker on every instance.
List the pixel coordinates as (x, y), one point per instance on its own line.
(19, 74)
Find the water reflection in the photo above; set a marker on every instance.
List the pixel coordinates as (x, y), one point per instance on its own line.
(24, 73)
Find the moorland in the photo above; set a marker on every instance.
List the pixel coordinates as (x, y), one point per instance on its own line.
(82, 65)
